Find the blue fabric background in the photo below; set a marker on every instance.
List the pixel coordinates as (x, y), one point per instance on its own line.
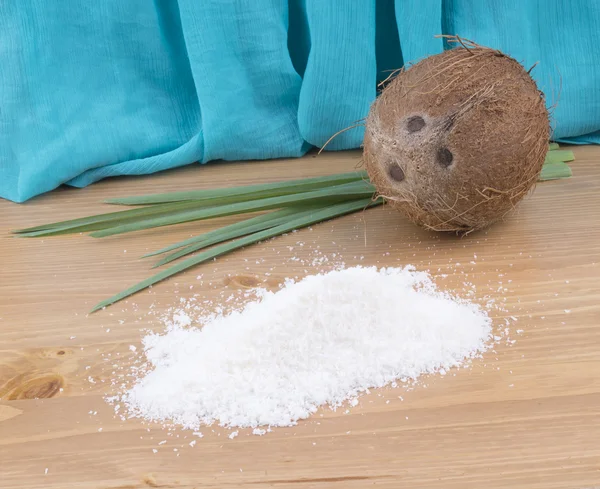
(90, 90)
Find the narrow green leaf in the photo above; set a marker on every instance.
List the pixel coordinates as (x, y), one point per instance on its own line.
(317, 216)
(243, 193)
(558, 156)
(101, 221)
(212, 198)
(555, 171)
(227, 235)
(346, 191)
(113, 219)
(264, 219)
(553, 146)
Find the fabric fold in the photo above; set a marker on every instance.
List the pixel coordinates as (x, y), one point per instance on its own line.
(89, 86)
(417, 32)
(339, 83)
(247, 87)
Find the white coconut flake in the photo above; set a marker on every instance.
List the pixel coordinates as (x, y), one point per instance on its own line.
(321, 341)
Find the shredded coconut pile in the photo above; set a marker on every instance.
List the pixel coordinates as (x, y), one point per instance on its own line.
(317, 342)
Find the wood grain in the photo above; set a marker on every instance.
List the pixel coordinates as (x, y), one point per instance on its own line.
(527, 415)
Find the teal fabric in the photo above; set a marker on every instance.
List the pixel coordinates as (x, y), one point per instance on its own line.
(90, 90)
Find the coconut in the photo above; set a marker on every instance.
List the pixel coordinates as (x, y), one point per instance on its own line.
(458, 139)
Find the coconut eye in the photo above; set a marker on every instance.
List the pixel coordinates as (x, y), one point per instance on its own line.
(415, 123)
(396, 173)
(444, 157)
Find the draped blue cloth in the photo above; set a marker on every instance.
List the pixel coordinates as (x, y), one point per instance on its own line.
(90, 90)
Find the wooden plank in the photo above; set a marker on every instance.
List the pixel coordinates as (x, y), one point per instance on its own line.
(524, 416)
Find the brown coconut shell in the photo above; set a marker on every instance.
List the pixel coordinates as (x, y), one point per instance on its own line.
(458, 139)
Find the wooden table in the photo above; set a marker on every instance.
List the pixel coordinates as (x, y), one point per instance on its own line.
(527, 415)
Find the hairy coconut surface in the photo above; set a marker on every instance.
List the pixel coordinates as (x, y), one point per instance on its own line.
(458, 139)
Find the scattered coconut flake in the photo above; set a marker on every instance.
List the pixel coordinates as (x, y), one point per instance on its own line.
(320, 341)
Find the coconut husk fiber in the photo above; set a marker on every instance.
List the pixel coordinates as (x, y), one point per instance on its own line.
(457, 140)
